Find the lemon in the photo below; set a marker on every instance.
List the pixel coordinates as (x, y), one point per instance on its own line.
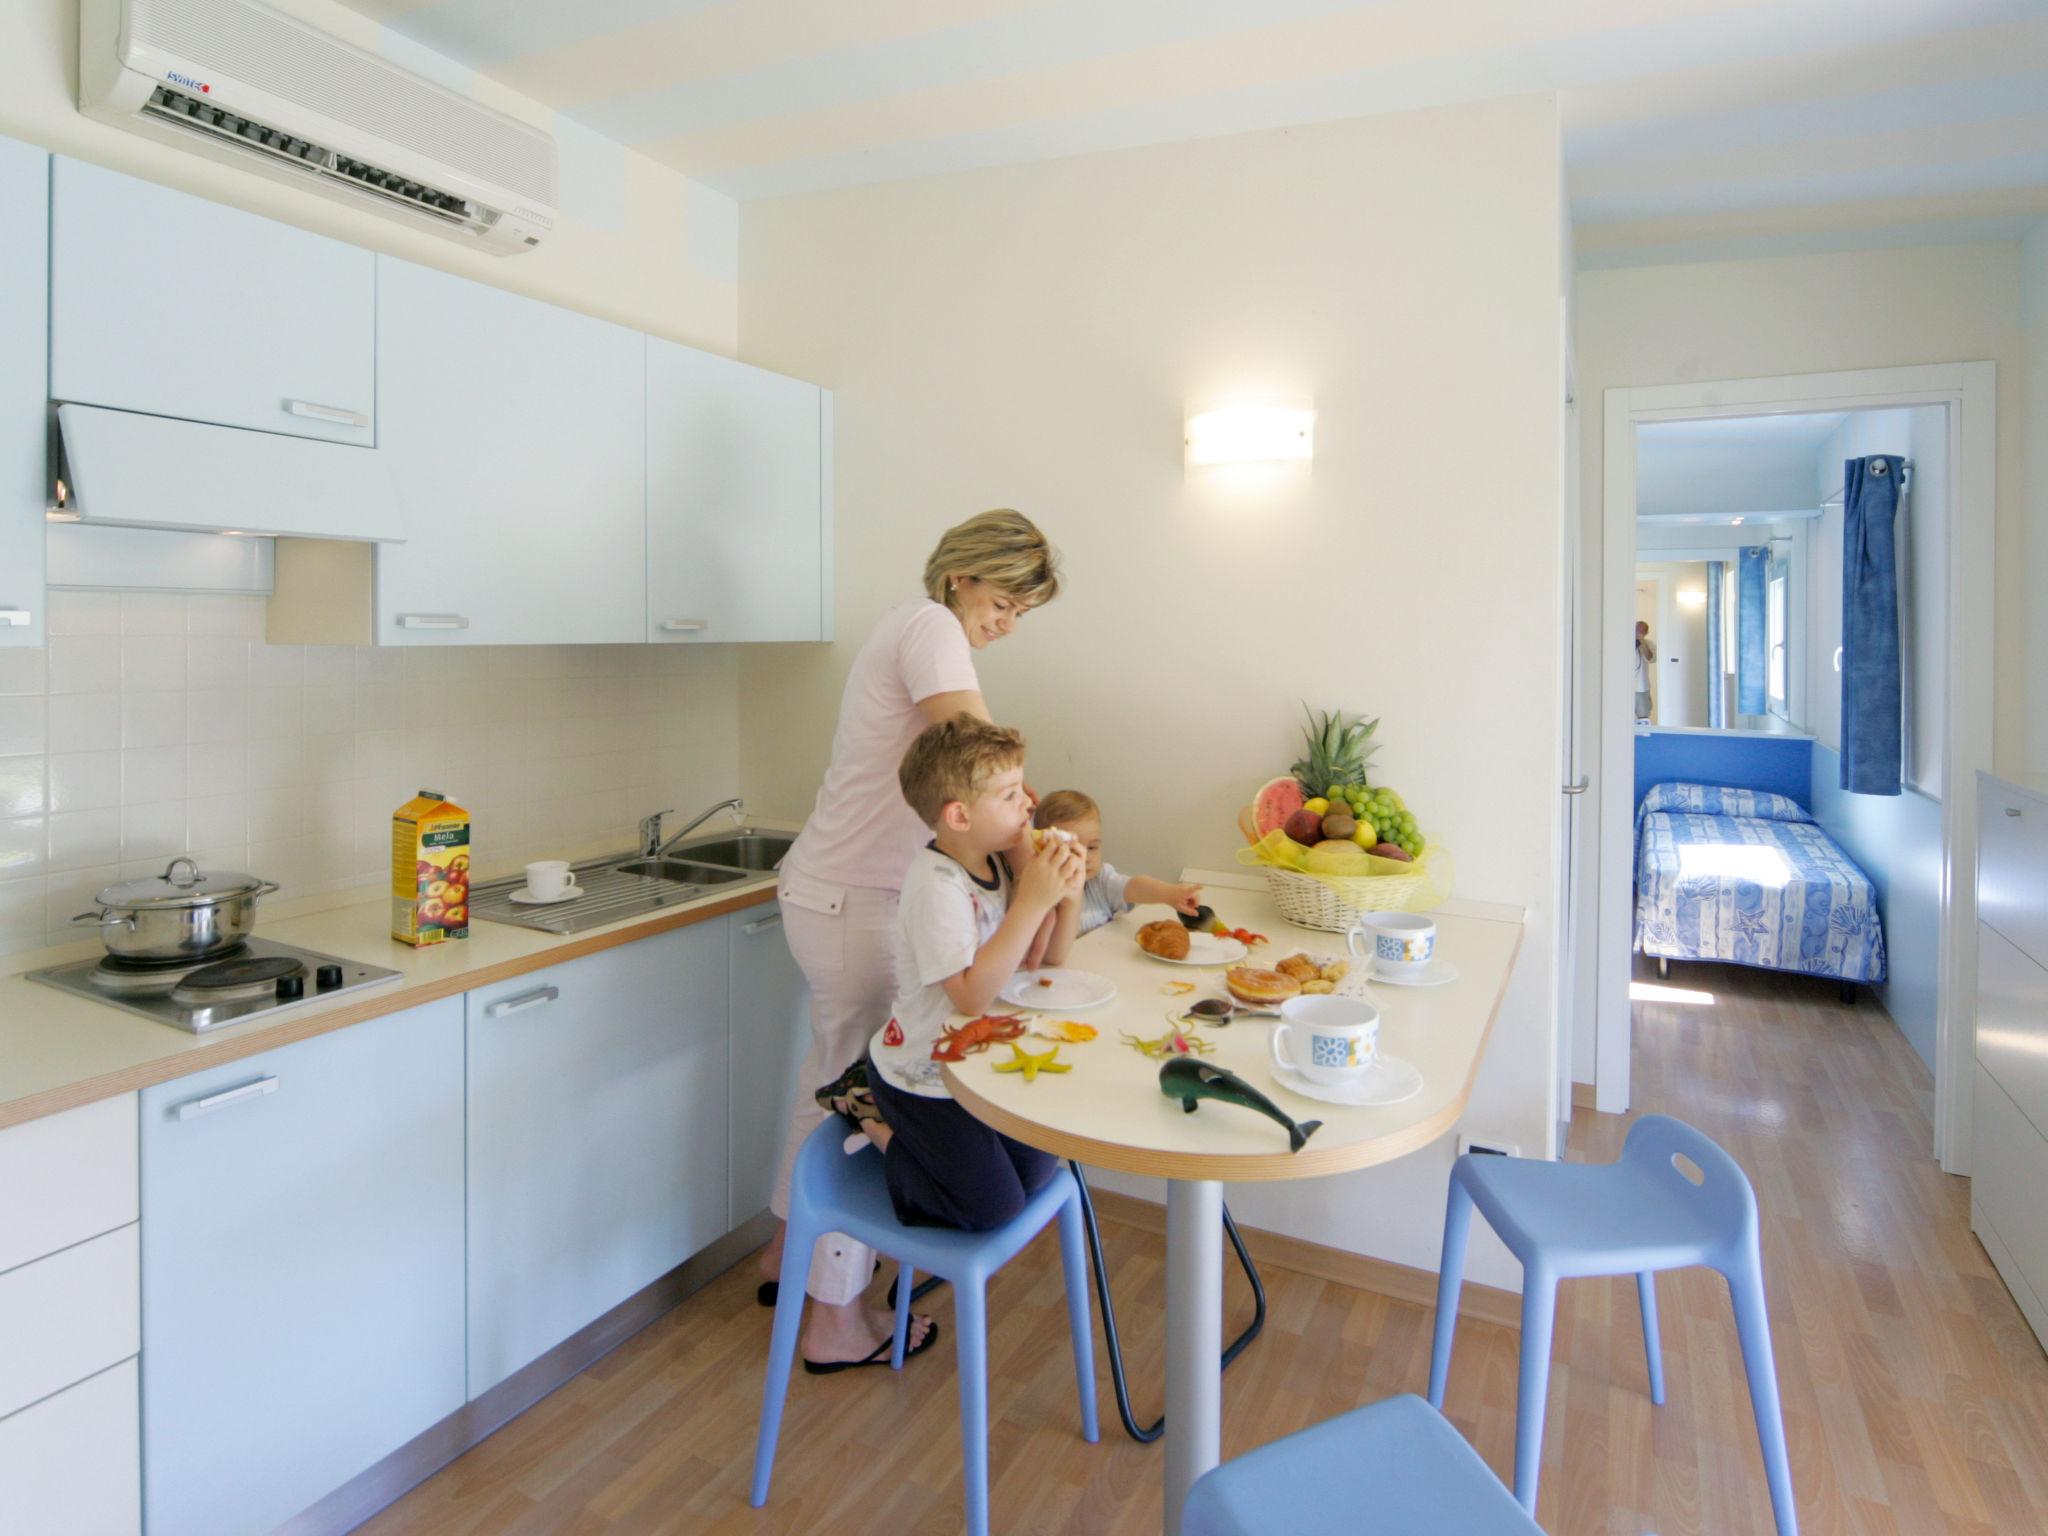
(1319, 805)
(1367, 835)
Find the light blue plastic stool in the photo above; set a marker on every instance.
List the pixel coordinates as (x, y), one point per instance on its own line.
(1396, 1468)
(833, 1192)
(1634, 1216)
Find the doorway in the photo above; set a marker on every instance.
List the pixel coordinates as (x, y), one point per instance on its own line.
(1790, 581)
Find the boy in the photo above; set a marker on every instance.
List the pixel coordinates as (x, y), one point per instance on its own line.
(963, 924)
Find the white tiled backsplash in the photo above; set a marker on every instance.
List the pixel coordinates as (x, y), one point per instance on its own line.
(153, 725)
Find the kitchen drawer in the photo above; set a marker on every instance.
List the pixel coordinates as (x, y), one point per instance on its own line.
(2012, 866)
(2009, 1171)
(65, 1178)
(2012, 1024)
(67, 1316)
(72, 1464)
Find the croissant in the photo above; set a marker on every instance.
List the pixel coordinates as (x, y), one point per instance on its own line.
(1166, 938)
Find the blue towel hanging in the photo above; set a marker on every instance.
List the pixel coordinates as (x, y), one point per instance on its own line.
(1871, 717)
(1749, 630)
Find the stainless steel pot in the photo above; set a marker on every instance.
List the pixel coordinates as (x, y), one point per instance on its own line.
(181, 914)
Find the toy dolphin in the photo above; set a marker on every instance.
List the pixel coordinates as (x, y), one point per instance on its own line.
(1188, 1080)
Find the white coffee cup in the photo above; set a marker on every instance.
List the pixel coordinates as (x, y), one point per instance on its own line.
(1398, 943)
(1327, 1039)
(550, 880)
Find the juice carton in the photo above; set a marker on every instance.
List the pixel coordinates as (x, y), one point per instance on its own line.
(429, 870)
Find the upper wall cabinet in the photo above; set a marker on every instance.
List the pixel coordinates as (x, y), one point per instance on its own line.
(170, 305)
(738, 501)
(24, 485)
(514, 434)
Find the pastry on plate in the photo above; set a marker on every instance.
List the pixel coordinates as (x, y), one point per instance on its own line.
(1166, 939)
(1300, 967)
(1259, 984)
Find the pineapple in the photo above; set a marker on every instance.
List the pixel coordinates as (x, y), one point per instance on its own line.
(1338, 750)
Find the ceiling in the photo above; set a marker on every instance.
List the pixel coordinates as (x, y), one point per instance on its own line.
(1688, 123)
(1742, 466)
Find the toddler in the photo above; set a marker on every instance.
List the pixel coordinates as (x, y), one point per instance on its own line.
(1108, 892)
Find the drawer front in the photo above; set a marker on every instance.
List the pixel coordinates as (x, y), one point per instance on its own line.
(65, 1178)
(2012, 1024)
(72, 1464)
(67, 1316)
(2012, 867)
(2009, 1169)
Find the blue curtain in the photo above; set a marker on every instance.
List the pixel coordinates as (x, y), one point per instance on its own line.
(1749, 630)
(1717, 688)
(1871, 710)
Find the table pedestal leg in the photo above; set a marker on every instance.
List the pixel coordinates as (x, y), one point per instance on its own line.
(1194, 1337)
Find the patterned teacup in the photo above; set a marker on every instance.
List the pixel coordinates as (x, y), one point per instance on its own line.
(1398, 943)
(1326, 1039)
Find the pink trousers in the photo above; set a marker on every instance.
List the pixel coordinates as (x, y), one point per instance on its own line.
(848, 957)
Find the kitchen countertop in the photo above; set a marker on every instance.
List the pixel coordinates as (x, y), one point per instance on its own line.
(58, 1051)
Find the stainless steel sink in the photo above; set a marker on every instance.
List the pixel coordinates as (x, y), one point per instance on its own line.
(743, 850)
(688, 871)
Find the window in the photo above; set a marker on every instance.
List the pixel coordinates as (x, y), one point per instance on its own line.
(1778, 670)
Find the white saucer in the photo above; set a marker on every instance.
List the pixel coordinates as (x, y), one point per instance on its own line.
(525, 898)
(1434, 974)
(1208, 949)
(1070, 992)
(1389, 1081)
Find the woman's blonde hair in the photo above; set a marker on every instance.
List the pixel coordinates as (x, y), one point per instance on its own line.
(1004, 549)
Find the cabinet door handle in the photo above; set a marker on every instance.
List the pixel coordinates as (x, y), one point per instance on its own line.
(538, 997)
(685, 626)
(14, 617)
(192, 1108)
(312, 410)
(762, 924)
(2012, 810)
(433, 621)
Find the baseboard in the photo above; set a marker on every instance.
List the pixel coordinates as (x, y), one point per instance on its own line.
(1382, 1277)
(427, 1453)
(1585, 1096)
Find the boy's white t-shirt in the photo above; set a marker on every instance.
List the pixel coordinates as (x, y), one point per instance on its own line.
(943, 917)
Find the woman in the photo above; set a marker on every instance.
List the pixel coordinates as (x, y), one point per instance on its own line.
(839, 882)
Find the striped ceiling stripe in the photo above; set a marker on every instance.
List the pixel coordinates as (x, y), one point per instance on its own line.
(1728, 111)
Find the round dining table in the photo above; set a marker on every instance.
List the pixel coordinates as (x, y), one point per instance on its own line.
(1108, 1110)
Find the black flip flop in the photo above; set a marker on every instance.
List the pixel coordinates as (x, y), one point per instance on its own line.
(880, 1356)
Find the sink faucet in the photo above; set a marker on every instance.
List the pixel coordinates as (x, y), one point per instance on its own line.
(653, 845)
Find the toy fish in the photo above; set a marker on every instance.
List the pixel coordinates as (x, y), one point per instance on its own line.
(1188, 1080)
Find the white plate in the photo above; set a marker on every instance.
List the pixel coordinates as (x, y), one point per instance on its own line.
(1434, 974)
(1070, 991)
(1389, 1081)
(1208, 949)
(525, 898)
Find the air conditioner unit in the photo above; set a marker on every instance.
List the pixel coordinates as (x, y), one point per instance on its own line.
(242, 83)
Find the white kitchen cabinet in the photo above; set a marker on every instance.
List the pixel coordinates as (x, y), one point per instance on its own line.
(302, 1269)
(597, 1137)
(167, 304)
(514, 432)
(771, 1030)
(71, 1465)
(738, 501)
(24, 386)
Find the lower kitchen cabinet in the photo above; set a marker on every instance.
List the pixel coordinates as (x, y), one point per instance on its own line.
(771, 1029)
(597, 1137)
(70, 1465)
(302, 1269)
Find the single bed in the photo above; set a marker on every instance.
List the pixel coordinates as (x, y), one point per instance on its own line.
(1747, 877)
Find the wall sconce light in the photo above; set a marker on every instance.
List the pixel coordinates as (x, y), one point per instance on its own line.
(1250, 434)
(1692, 597)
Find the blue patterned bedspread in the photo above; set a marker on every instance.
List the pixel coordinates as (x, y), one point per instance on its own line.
(1768, 888)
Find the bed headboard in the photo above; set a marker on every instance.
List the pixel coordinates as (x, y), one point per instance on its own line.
(1783, 764)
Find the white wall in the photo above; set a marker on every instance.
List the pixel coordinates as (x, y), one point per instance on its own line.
(2034, 554)
(1030, 337)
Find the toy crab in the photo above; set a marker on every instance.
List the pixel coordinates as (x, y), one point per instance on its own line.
(958, 1042)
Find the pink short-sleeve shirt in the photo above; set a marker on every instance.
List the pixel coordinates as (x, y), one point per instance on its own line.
(862, 832)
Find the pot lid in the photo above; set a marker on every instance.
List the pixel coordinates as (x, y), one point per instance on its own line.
(182, 884)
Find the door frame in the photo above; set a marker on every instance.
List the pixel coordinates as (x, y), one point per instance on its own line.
(1969, 391)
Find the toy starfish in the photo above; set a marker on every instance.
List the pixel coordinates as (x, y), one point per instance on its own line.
(1072, 1031)
(1175, 1042)
(1023, 1061)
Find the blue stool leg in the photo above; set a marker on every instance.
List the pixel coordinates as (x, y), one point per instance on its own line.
(1449, 1281)
(789, 1313)
(970, 1347)
(1539, 1313)
(1753, 1327)
(1653, 1349)
(905, 1278)
(1074, 1262)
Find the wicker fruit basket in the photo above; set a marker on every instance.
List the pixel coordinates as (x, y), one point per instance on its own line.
(1334, 903)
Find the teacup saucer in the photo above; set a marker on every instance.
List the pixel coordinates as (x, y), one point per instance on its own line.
(1434, 974)
(525, 898)
(1389, 1080)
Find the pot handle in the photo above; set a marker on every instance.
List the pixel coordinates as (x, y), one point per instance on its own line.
(107, 919)
(265, 888)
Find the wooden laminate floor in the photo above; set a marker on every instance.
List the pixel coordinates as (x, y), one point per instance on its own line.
(1916, 1400)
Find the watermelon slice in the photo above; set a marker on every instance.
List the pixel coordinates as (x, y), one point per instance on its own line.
(1276, 800)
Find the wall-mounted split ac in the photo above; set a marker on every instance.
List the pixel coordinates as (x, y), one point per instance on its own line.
(242, 83)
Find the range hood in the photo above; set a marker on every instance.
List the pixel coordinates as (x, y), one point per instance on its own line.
(135, 471)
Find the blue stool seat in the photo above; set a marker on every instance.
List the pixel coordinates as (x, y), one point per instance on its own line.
(1638, 1215)
(1396, 1468)
(831, 1191)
